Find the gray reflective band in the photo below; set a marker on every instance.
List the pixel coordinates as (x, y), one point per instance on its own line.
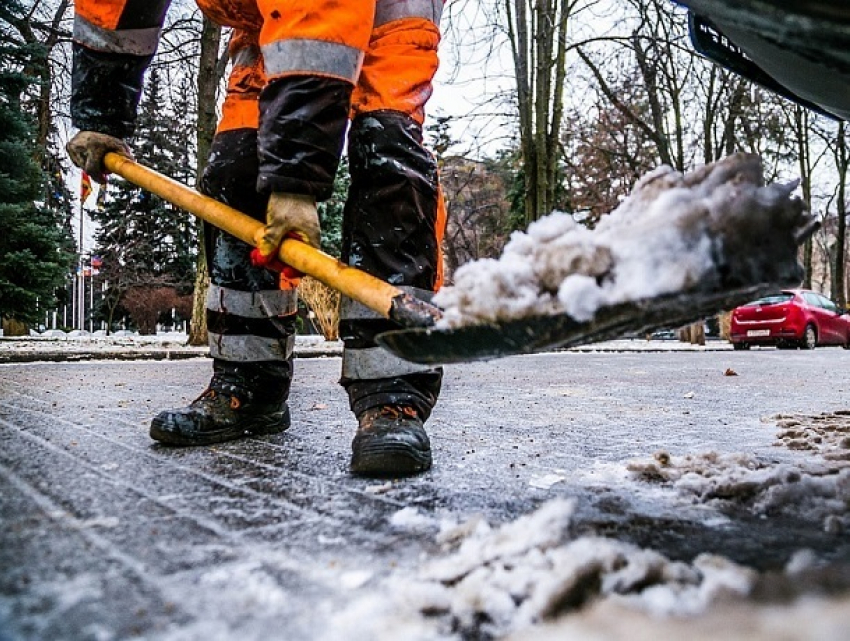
(312, 56)
(246, 349)
(138, 42)
(246, 56)
(265, 304)
(389, 10)
(376, 362)
(350, 309)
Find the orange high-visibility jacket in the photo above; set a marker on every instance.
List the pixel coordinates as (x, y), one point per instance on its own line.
(300, 69)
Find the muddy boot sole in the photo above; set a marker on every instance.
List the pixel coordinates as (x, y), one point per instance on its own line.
(388, 458)
(166, 428)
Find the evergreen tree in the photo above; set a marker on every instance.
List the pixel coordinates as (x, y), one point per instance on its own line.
(181, 227)
(331, 210)
(143, 240)
(33, 256)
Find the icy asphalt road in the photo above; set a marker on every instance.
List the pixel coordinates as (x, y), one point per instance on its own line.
(105, 535)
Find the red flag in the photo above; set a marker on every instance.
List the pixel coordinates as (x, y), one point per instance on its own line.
(85, 188)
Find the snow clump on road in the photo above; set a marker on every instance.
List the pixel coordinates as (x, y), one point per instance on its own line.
(815, 489)
(497, 581)
(716, 228)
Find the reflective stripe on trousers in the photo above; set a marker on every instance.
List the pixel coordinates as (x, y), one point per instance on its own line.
(251, 326)
(370, 363)
(250, 310)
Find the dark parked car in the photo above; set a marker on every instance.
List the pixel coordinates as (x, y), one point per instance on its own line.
(792, 318)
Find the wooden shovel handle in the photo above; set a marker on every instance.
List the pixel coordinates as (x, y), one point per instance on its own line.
(379, 296)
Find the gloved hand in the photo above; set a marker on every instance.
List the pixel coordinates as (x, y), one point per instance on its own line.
(287, 215)
(88, 148)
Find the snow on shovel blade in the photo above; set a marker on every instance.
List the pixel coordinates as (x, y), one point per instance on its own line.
(541, 333)
(680, 248)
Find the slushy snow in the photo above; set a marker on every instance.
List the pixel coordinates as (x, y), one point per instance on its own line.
(815, 488)
(494, 581)
(715, 228)
(516, 579)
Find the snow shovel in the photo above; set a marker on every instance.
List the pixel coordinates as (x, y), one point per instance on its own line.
(420, 342)
(381, 297)
(547, 332)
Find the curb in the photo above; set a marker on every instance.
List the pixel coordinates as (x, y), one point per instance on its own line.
(311, 351)
(136, 355)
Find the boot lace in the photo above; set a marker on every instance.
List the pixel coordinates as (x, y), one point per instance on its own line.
(212, 394)
(398, 411)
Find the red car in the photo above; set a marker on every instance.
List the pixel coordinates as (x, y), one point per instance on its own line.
(793, 318)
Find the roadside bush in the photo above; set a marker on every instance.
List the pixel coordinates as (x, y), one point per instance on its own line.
(145, 304)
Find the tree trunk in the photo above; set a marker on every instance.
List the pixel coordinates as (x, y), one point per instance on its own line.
(801, 126)
(839, 295)
(540, 70)
(209, 76)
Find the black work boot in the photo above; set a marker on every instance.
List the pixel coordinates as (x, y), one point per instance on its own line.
(390, 441)
(229, 408)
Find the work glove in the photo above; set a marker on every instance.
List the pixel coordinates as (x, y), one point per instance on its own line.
(88, 148)
(287, 216)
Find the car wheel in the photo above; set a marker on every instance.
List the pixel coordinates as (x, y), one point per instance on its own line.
(810, 338)
(740, 346)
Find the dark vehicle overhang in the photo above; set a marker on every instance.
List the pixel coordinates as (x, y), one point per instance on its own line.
(799, 49)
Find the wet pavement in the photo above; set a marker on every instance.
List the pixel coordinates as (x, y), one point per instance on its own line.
(107, 535)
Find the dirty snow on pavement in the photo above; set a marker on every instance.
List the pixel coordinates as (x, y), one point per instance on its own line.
(816, 488)
(674, 232)
(492, 582)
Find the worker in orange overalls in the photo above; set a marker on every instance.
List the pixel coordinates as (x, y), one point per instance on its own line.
(301, 69)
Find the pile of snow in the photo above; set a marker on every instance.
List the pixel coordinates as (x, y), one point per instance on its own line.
(520, 579)
(118, 337)
(716, 228)
(78, 342)
(815, 489)
(496, 581)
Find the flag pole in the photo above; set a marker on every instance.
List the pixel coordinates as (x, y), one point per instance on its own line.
(81, 289)
(85, 192)
(91, 296)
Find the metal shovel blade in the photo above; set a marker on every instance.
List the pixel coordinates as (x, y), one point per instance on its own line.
(542, 333)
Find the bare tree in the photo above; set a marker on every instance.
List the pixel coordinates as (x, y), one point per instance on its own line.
(722, 95)
(43, 29)
(657, 53)
(537, 31)
(211, 66)
(145, 304)
(839, 290)
(605, 153)
(478, 212)
(801, 131)
(831, 240)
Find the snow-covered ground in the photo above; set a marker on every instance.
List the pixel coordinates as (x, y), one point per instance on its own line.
(816, 489)
(537, 576)
(76, 344)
